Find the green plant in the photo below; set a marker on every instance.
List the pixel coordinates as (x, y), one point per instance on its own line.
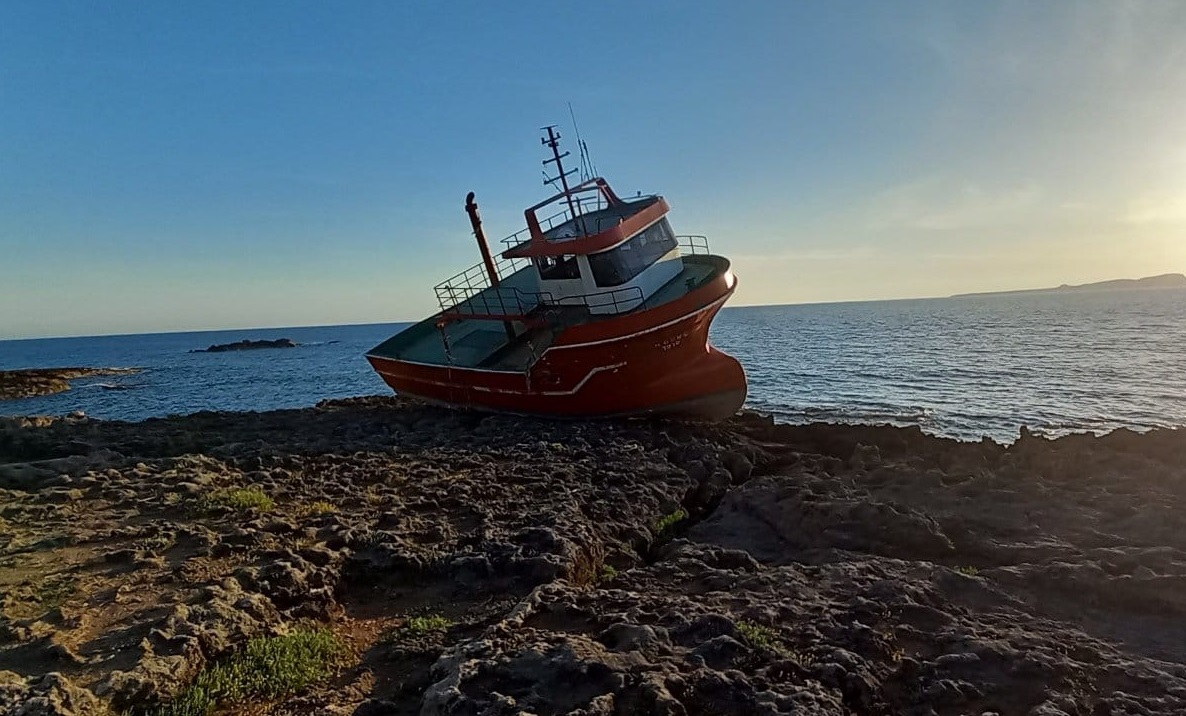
(239, 498)
(375, 497)
(321, 507)
(423, 625)
(670, 521)
(608, 573)
(967, 571)
(756, 634)
(269, 667)
(155, 543)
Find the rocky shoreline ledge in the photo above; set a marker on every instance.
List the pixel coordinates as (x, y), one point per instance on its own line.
(34, 382)
(466, 564)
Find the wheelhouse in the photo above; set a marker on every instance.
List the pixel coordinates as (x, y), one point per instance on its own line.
(610, 259)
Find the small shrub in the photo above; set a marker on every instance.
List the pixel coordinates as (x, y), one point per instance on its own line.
(55, 590)
(269, 667)
(423, 625)
(756, 634)
(321, 507)
(967, 571)
(303, 542)
(669, 522)
(240, 498)
(155, 544)
(608, 573)
(376, 499)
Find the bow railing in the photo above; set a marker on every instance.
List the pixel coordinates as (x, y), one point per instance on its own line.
(693, 244)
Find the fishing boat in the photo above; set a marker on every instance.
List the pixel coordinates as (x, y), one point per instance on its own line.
(595, 309)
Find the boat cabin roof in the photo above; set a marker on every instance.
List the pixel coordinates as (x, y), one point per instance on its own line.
(592, 232)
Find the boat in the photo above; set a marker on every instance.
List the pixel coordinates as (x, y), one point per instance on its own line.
(595, 309)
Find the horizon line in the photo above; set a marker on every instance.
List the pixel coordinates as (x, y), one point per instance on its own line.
(981, 294)
(224, 329)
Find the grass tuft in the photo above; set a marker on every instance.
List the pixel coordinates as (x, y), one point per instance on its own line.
(321, 507)
(269, 667)
(968, 571)
(240, 498)
(669, 522)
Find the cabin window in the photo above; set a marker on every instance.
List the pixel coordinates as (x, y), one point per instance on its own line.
(625, 261)
(556, 268)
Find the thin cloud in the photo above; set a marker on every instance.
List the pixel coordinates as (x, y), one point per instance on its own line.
(939, 204)
(1165, 209)
(809, 254)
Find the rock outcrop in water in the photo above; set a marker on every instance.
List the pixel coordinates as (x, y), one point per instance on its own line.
(33, 382)
(594, 568)
(247, 345)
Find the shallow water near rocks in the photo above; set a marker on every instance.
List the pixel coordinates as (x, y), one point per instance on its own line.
(959, 367)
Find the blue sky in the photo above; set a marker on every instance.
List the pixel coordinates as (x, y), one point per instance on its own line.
(217, 165)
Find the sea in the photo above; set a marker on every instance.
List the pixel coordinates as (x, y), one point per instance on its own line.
(963, 367)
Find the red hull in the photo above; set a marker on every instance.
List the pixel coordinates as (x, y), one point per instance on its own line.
(654, 361)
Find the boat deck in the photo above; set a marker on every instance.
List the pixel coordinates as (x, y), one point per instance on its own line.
(483, 343)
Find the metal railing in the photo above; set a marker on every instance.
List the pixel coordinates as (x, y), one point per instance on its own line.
(693, 244)
(474, 280)
(618, 298)
(584, 205)
(508, 303)
(503, 302)
(469, 293)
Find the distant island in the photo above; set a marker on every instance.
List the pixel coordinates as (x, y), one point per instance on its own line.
(1164, 281)
(34, 382)
(246, 345)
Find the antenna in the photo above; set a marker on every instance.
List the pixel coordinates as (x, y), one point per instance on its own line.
(586, 163)
(589, 158)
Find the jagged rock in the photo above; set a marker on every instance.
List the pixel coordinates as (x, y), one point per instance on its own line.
(49, 695)
(634, 637)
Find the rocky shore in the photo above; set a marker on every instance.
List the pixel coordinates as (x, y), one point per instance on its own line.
(33, 382)
(471, 564)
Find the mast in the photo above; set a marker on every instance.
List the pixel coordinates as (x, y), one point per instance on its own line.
(553, 141)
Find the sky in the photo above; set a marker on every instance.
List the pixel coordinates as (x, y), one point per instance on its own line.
(185, 166)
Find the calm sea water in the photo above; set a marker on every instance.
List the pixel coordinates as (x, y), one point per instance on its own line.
(962, 367)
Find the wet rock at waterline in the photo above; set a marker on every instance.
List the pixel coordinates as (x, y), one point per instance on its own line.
(34, 382)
